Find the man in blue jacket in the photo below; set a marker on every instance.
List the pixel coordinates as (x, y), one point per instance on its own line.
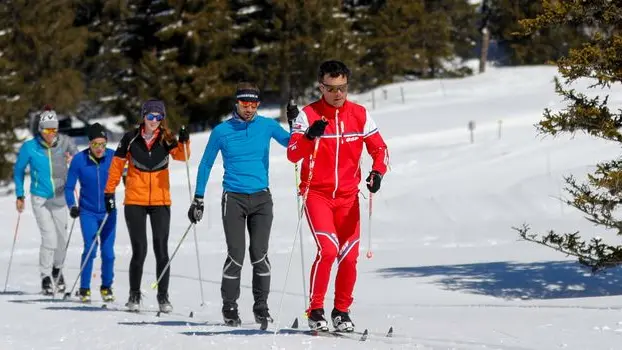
(47, 154)
(90, 168)
(244, 141)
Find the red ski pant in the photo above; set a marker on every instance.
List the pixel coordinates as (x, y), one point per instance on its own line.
(335, 224)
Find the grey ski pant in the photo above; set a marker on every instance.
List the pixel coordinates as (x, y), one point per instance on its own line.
(241, 211)
(51, 217)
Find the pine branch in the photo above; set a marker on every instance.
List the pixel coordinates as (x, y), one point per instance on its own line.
(593, 254)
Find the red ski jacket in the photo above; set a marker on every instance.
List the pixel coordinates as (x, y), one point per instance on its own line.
(337, 169)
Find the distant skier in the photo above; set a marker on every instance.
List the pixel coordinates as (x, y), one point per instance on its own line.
(47, 155)
(90, 167)
(147, 193)
(342, 128)
(244, 141)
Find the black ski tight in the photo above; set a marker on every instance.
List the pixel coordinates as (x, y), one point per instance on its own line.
(136, 219)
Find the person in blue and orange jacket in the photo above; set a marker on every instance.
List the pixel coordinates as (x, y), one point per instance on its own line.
(146, 150)
(90, 168)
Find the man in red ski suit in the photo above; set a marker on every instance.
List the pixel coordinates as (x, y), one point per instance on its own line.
(339, 129)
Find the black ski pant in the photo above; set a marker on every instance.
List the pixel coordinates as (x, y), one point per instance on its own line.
(241, 211)
(136, 219)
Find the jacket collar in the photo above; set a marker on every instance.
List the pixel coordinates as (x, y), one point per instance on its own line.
(240, 123)
(329, 111)
(45, 144)
(91, 156)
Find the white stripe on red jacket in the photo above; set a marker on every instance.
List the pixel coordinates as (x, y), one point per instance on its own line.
(337, 164)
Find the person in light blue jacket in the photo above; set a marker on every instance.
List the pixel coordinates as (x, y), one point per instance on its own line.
(244, 141)
(47, 154)
(90, 168)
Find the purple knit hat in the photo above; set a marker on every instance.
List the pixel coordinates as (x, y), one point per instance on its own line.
(153, 106)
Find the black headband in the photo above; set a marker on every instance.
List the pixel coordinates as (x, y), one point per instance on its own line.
(247, 95)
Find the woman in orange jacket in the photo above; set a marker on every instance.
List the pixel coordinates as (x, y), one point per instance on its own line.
(146, 150)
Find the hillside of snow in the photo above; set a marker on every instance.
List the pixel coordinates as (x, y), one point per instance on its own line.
(447, 272)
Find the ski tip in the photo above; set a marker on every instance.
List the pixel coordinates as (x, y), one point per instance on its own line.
(295, 324)
(191, 314)
(364, 335)
(390, 332)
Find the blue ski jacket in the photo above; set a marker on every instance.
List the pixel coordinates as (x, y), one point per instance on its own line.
(48, 166)
(245, 148)
(92, 175)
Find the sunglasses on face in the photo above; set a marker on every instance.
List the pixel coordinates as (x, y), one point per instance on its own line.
(334, 88)
(153, 116)
(248, 103)
(49, 131)
(98, 144)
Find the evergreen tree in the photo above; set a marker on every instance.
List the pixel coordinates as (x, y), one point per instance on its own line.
(541, 45)
(107, 66)
(182, 54)
(41, 49)
(424, 38)
(600, 59)
(286, 40)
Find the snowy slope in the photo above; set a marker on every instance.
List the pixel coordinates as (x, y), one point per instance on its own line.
(447, 272)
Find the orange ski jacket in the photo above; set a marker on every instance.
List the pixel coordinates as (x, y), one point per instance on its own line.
(147, 182)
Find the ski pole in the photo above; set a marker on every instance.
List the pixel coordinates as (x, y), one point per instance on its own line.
(8, 271)
(302, 258)
(154, 285)
(369, 253)
(88, 255)
(67, 244)
(196, 241)
(302, 252)
(298, 227)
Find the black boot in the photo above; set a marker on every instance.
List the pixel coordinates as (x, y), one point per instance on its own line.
(133, 302)
(59, 280)
(316, 319)
(46, 286)
(262, 315)
(342, 321)
(231, 317)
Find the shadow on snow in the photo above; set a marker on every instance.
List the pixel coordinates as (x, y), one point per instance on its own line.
(511, 280)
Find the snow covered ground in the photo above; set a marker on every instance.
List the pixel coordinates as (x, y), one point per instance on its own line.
(447, 272)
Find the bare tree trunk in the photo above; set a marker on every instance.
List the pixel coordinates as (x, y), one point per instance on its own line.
(484, 53)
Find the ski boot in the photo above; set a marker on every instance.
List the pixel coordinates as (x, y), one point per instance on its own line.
(133, 303)
(165, 305)
(106, 294)
(85, 295)
(342, 321)
(59, 280)
(262, 316)
(231, 317)
(46, 286)
(316, 319)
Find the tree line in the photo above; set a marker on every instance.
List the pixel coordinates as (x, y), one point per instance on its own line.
(97, 57)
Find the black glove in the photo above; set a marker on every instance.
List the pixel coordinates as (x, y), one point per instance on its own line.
(292, 112)
(316, 129)
(184, 135)
(109, 201)
(195, 213)
(373, 181)
(74, 212)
